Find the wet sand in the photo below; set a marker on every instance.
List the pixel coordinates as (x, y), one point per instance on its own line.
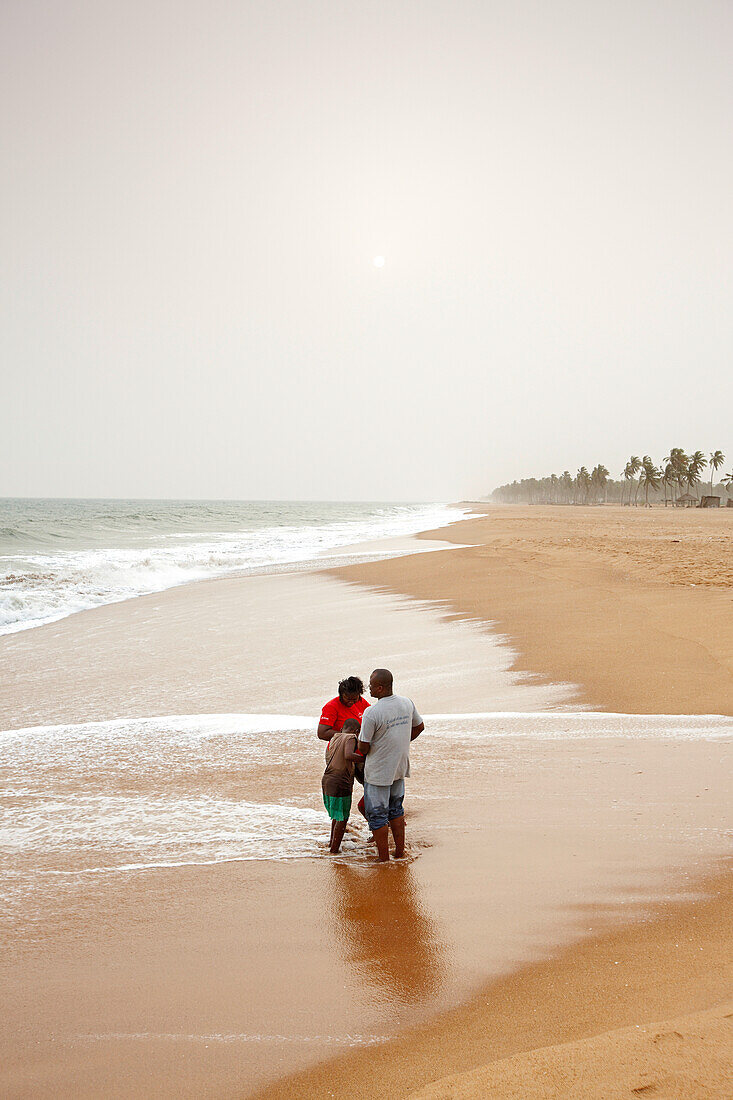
(670, 964)
(211, 981)
(193, 981)
(266, 644)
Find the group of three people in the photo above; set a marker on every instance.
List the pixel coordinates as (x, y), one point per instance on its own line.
(373, 743)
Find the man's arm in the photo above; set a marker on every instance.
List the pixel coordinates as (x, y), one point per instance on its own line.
(416, 731)
(367, 727)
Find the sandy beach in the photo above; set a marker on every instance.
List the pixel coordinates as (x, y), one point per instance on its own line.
(569, 877)
(633, 605)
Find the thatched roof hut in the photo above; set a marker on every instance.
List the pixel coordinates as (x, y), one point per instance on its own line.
(686, 500)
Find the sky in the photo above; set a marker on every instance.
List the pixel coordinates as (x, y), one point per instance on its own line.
(192, 196)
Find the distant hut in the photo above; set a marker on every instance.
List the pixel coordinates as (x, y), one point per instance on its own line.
(710, 502)
(687, 500)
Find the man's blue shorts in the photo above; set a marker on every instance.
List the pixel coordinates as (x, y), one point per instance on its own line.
(383, 804)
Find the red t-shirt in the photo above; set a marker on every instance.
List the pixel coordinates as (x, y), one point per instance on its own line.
(335, 713)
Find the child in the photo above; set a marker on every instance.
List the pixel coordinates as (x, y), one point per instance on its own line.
(338, 779)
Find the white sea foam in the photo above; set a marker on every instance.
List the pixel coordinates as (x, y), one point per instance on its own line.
(43, 579)
(347, 1039)
(130, 795)
(81, 832)
(187, 729)
(578, 725)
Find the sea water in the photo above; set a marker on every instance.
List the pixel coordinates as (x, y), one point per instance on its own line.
(62, 556)
(131, 796)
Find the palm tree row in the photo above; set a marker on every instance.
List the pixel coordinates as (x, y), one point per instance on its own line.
(678, 475)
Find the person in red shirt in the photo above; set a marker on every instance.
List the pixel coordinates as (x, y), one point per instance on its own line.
(348, 704)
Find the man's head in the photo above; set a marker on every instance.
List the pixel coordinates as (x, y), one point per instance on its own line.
(351, 726)
(350, 690)
(380, 683)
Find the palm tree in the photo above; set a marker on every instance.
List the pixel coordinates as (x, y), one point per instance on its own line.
(717, 458)
(598, 478)
(667, 480)
(582, 482)
(695, 467)
(727, 480)
(678, 460)
(649, 477)
(567, 484)
(631, 469)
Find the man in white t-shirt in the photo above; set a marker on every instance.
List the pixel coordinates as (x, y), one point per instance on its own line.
(387, 729)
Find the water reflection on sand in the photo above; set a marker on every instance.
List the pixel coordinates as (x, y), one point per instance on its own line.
(382, 927)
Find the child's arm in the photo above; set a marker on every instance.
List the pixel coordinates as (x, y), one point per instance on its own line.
(353, 753)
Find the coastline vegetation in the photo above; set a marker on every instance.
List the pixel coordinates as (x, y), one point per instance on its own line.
(678, 481)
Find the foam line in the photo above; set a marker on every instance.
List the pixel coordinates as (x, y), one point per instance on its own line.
(233, 1037)
(708, 725)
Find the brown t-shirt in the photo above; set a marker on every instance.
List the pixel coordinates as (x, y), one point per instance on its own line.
(338, 778)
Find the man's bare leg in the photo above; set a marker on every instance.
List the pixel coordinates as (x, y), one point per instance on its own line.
(381, 839)
(338, 828)
(397, 825)
(362, 810)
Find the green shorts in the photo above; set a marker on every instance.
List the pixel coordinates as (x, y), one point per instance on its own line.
(338, 807)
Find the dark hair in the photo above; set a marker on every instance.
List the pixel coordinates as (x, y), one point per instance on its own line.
(352, 685)
(351, 724)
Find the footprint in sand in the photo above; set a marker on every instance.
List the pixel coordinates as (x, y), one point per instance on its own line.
(670, 1041)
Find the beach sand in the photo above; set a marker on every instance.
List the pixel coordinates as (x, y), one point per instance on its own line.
(576, 887)
(633, 605)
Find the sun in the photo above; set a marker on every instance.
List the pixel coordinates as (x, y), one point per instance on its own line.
(378, 261)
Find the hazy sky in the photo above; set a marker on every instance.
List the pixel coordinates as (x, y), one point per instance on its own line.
(193, 193)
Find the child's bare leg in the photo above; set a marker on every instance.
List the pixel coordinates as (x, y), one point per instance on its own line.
(397, 825)
(338, 828)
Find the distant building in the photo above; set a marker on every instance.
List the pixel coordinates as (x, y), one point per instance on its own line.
(710, 502)
(687, 500)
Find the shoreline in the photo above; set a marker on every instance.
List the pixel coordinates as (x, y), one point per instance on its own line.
(634, 607)
(156, 653)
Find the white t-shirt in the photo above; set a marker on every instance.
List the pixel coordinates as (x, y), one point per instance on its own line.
(387, 726)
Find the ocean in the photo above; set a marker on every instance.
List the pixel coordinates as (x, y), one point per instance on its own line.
(58, 557)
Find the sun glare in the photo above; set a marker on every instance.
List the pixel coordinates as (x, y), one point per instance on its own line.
(378, 261)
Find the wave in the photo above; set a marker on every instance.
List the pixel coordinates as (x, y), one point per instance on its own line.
(41, 585)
